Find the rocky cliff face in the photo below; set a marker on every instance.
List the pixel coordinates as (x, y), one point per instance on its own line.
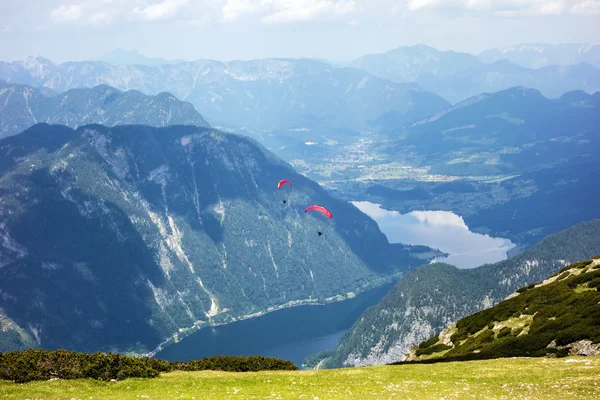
(116, 238)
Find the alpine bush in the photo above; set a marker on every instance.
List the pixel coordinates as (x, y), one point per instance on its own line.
(34, 365)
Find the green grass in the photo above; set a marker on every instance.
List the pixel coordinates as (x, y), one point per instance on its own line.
(516, 378)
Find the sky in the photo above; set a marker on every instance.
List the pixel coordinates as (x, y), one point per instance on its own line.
(336, 30)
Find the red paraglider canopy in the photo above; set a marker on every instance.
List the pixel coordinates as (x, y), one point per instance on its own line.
(320, 209)
(283, 182)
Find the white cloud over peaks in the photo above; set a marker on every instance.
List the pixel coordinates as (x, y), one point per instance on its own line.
(87, 12)
(509, 8)
(279, 11)
(161, 10)
(101, 12)
(588, 7)
(234, 9)
(67, 13)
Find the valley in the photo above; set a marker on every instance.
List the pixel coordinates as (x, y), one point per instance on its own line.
(140, 214)
(292, 333)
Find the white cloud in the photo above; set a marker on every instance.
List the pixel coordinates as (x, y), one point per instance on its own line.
(280, 11)
(234, 9)
(164, 9)
(102, 12)
(88, 12)
(6, 29)
(510, 8)
(588, 7)
(67, 13)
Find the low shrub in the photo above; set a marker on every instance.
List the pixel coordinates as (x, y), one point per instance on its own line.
(504, 332)
(429, 342)
(526, 288)
(33, 365)
(459, 336)
(239, 364)
(432, 349)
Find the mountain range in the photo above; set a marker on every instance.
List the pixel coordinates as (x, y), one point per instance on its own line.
(23, 106)
(538, 55)
(504, 132)
(116, 239)
(458, 76)
(248, 95)
(123, 56)
(414, 63)
(433, 297)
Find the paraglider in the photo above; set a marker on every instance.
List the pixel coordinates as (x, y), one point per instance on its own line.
(322, 210)
(281, 183)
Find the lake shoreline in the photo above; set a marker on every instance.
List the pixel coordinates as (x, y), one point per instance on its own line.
(442, 230)
(339, 298)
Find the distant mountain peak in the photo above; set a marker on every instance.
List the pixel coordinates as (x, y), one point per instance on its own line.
(23, 106)
(538, 55)
(122, 56)
(412, 63)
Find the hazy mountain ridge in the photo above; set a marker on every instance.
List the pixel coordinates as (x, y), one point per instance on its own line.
(558, 316)
(538, 55)
(23, 106)
(116, 238)
(413, 63)
(432, 297)
(122, 56)
(258, 94)
(505, 132)
(553, 81)
(457, 76)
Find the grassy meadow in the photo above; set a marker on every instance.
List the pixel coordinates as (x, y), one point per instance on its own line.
(514, 378)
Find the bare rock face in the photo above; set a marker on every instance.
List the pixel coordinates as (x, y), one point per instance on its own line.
(585, 348)
(579, 348)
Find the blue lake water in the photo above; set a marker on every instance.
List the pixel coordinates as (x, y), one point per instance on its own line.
(442, 230)
(291, 333)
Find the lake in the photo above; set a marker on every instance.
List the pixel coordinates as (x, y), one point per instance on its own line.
(291, 334)
(442, 230)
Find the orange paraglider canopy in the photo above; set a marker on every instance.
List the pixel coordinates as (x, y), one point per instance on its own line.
(283, 182)
(320, 209)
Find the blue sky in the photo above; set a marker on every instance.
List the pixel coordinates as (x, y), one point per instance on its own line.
(246, 29)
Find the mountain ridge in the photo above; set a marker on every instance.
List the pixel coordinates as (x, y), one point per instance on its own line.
(457, 76)
(537, 55)
(135, 232)
(557, 316)
(23, 106)
(430, 298)
(258, 95)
